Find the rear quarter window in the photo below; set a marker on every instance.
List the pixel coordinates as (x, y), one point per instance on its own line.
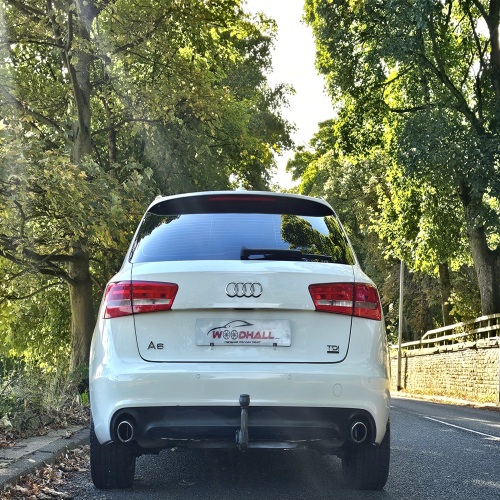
(222, 236)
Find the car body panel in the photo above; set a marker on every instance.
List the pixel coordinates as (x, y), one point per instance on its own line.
(131, 382)
(171, 335)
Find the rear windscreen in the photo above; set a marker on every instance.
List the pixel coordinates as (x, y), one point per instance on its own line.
(245, 236)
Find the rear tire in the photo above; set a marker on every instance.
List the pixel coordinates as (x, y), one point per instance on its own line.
(111, 465)
(365, 466)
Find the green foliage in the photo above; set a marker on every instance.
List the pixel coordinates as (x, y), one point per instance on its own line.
(420, 223)
(51, 206)
(465, 300)
(420, 81)
(349, 183)
(85, 398)
(196, 90)
(37, 330)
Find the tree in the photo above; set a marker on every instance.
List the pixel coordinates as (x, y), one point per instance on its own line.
(431, 71)
(64, 223)
(422, 226)
(98, 99)
(390, 216)
(350, 184)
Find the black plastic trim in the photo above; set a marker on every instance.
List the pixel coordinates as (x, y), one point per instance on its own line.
(160, 427)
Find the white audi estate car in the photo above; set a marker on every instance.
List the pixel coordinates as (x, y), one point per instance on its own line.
(240, 319)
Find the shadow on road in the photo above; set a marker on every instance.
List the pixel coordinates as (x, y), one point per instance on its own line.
(256, 474)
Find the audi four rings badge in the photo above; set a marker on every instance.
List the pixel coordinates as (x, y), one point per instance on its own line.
(243, 289)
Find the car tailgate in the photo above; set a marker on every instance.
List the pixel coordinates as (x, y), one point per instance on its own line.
(237, 311)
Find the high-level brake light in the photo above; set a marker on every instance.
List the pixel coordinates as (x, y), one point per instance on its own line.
(134, 297)
(358, 299)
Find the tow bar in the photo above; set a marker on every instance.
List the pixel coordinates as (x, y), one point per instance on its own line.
(242, 432)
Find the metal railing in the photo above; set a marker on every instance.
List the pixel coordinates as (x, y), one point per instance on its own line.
(480, 332)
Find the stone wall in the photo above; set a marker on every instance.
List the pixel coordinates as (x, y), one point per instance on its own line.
(472, 374)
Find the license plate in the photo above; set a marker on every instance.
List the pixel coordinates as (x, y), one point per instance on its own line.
(255, 332)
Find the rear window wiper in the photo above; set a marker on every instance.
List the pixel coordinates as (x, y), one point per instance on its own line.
(281, 254)
(317, 257)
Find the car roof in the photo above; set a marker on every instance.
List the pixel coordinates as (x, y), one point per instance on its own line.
(240, 202)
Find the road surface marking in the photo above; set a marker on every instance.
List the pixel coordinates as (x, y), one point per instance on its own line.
(495, 438)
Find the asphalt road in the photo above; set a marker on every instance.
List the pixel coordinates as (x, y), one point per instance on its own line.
(438, 452)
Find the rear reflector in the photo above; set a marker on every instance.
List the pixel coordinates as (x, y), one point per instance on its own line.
(359, 300)
(134, 297)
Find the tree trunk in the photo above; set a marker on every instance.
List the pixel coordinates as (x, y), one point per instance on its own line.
(486, 261)
(79, 62)
(112, 146)
(82, 310)
(80, 286)
(445, 286)
(486, 266)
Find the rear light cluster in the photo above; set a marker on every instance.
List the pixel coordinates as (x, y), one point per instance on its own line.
(134, 297)
(359, 300)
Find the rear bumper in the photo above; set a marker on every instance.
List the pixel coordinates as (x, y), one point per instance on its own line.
(170, 402)
(217, 427)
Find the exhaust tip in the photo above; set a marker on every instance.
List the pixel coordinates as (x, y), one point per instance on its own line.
(358, 432)
(125, 431)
